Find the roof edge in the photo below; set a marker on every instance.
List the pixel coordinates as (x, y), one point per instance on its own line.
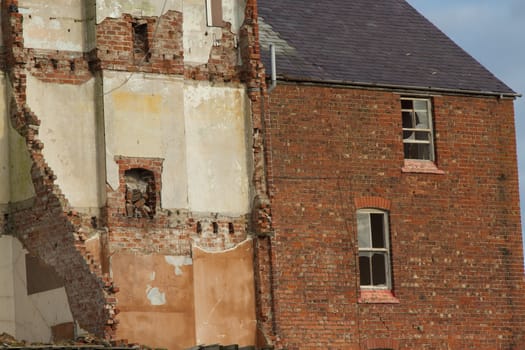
(382, 86)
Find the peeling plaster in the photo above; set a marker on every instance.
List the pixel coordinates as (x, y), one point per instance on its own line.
(57, 24)
(178, 262)
(114, 9)
(155, 296)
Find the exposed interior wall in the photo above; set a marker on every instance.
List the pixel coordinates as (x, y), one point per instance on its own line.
(7, 288)
(27, 317)
(69, 134)
(156, 293)
(4, 148)
(56, 25)
(198, 37)
(114, 9)
(36, 313)
(224, 296)
(87, 110)
(21, 188)
(216, 148)
(177, 302)
(145, 118)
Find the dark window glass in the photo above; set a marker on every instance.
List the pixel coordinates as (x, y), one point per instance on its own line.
(378, 239)
(364, 270)
(408, 120)
(378, 269)
(406, 104)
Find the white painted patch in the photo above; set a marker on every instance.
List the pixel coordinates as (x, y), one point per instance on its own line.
(155, 296)
(178, 262)
(152, 276)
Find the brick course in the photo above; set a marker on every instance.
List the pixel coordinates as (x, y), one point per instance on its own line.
(457, 263)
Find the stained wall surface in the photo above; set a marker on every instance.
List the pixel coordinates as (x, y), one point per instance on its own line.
(144, 117)
(28, 317)
(7, 288)
(225, 296)
(4, 147)
(156, 299)
(94, 107)
(216, 145)
(179, 301)
(69, 134)
(56, 25)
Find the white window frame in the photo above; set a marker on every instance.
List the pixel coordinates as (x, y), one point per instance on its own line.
(370, 250)
(214, 16)
(430, 130)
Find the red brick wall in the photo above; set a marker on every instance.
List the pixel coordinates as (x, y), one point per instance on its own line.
(165, 54)
(456, 246)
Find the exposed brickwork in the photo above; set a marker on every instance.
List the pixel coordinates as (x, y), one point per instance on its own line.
(48, 228)
(170, 232)
(455, 237)
(223, 62)
(372, 202)
(115, 44)
(253, 75)
(63, 67)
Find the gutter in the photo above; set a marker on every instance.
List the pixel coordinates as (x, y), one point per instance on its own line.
(379, 86)
(273, 68)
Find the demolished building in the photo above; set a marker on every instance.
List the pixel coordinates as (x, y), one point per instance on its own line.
(154, 187)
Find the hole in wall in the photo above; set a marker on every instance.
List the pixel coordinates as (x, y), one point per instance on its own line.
(140, 40)
(140, 193)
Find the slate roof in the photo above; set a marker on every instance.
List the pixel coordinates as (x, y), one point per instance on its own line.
(369, 42)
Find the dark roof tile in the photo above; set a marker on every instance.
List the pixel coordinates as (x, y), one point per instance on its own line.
(383, 42)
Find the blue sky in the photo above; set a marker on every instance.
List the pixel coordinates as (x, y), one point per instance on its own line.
(493, 32)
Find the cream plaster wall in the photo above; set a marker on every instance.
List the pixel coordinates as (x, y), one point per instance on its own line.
(4, 145)
(20, 183)
(198, 37)
(145, 118)
(35, 314)
(55, 25)
(224, 292)
(155, 299)
(69, 133)
(27, 317)
(215, 119)
(115, 8)
(7, 289)
(21, 186)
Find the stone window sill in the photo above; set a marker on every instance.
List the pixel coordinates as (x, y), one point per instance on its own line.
(377, 296)
(421, 166)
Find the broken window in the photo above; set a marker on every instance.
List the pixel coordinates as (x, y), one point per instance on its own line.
(418, 138)
(374, 251)
(214, 13)
(140, 40)
(140, 193)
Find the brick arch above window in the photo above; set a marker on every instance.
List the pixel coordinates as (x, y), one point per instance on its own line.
(372, 202)
(380, 344)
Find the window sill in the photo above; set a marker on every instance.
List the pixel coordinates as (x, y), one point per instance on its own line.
(421, 166)
(377, 296)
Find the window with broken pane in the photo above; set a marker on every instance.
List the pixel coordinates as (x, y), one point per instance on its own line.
(374, 251)
(418, 139)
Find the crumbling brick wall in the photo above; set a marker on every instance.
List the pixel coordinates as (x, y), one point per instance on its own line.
(58, 234)
(455, 237)
(167, 231)
(49, 228)
(161, 52)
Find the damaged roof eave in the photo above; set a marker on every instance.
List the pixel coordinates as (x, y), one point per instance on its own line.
(406, 88)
